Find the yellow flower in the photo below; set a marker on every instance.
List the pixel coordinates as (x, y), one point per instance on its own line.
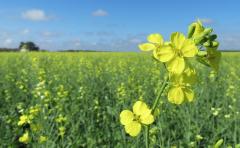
(61, 131)
(24, 138)
(174, 54)
(34, 110)
(132, 120)
(180, 89)
(24, 119)
(155, 41)
(42, 139)
(61, 119)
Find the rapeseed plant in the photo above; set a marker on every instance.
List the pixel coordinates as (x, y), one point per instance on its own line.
(175, 55)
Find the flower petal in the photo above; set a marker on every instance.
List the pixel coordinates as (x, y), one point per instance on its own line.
(133, 128)
(139, 108)
(189, 48)
(176, 65)
(177, 40)
(147, 118)
(176, 95)
(189, 94)
(155, 38)
(147, 47)
(126, 117)
(164, 53)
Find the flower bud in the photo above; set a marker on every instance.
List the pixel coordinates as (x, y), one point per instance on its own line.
(200, 40)
(207, 44)
(215, 44)
(207, 31)
(213, 37)
(191, 30)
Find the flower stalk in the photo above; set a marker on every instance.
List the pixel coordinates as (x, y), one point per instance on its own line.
(147, 137)
(164, 85)
(159, 95)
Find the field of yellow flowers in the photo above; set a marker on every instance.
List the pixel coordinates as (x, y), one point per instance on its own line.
(74, 100)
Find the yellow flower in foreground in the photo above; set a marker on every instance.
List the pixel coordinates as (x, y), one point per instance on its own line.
(23, 120)
(133, 120)
(174, 54)
(24, 138)
(180, 89)
(155, 41)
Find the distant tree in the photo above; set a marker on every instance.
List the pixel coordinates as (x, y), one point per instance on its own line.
(21, 45)
(28, 46)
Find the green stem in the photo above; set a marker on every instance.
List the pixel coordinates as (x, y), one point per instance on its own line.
(159, 95)
(153, 109)
(147, 136)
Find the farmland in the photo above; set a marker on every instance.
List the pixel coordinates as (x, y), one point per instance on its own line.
(74, 100)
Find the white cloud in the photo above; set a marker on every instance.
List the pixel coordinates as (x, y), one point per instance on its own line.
(25, 31)
(77, 44)
(206, 20)
(229, 41)
(135, 41)
(35, 15)
(100, 12)
(50, 34)
(8, 41)
(47, 33)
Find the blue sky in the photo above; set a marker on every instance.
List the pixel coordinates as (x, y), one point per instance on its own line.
(118, 25)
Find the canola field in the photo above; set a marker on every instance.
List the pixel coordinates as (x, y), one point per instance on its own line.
(74, 100)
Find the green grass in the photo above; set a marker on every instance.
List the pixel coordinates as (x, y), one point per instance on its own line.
(91, 89)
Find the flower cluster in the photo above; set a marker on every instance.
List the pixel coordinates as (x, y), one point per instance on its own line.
(177, 55)
(203, 38)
